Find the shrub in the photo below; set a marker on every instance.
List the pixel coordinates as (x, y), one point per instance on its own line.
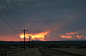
(67, 47)
(54, 46)
(7, 47)
(82, 47)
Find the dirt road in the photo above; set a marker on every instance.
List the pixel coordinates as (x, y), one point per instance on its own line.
(51, 52)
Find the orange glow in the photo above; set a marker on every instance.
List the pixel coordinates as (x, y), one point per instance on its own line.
(39, 36)
(65, 36)
(79, 36)
(72, 33)
(48, 35)
(84, 38)
(68, 35)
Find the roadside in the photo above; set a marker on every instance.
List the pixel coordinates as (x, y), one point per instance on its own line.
(51, 52)
(28, 52)
(79, 52)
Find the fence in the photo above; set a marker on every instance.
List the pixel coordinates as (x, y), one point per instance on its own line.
(9, 52)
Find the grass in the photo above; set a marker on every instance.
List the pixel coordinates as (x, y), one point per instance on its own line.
(11, 51)
(29, 52)
(81, 52)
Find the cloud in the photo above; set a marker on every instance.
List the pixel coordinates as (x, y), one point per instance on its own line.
(56, 16)
(34, 36)
(79, 36)
(68, 35)
(8, 1)
(73, 35)
(2, 6)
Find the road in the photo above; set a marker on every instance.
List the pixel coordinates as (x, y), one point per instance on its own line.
(36, 52)
(51, 52)
(28, 52)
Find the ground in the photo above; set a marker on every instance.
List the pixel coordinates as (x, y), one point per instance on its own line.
(28, 52)
(76, 51)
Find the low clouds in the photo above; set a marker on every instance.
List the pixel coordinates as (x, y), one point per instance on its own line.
(73, 35)
(79, 37)
(68, 35)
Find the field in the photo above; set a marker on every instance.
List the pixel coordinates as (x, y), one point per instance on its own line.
(47, 47)
(22, 52)
(10, 50)
(81, 52)
(29, 52)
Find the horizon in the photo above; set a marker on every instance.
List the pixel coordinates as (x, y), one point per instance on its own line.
(44, 41)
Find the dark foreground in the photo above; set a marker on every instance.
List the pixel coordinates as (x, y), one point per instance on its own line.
(51, 52)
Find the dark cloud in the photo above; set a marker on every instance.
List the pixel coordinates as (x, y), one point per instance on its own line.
(57, 16)
(77, 25)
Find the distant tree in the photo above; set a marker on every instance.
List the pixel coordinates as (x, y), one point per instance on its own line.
(67, 47)
(7, 47)
(54, 46)
(82, 47)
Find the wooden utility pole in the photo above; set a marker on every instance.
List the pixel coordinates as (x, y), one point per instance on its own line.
(29, 41)
(32, 43)
(5, 53)
(24, 37)
(2, 53)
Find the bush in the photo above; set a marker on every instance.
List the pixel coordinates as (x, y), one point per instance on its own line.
(7, 47)
(54, 46)
(67, 47)
(82, 47)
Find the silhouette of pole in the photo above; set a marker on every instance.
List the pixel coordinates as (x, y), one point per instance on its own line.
(32, 43)
(29, 41)
(5, 53)
(24, 37)
(1, 52)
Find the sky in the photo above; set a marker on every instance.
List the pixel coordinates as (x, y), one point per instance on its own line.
(47, 20)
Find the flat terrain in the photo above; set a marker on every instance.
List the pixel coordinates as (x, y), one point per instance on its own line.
(22, 52)
(51, 52)
(46, 52)
(28, 52)
(77, 51)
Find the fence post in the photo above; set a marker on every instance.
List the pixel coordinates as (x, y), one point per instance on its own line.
(1, 52)
(5, 53)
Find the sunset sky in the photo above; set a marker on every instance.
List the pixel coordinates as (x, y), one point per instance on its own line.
(46, 20)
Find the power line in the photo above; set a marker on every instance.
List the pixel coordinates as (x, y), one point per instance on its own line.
(24, 37)
(8, 15)
(9, 24)
(12, 14)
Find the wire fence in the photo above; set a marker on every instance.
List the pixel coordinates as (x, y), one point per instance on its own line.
(9, 52)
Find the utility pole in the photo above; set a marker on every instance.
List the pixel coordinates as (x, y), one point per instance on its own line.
(32, 43)
(29, 41)
(24, 37)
